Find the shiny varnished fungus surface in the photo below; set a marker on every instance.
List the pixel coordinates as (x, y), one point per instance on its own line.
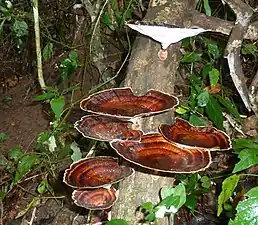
(206, 137)
(122, 103)
(154, 152)
(95, 172)
(106, 128)
(96, 199)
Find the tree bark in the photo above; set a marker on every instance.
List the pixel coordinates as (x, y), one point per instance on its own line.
(146, 71)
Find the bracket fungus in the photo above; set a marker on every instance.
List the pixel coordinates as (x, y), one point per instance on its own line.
(96, 199)
(95, 172)
(156, 153)
(178, 148)
(122, 103)
(183, 132)
(106, 128)
(163, 33)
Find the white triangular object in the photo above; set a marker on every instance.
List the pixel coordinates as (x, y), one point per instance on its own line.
(165, 34)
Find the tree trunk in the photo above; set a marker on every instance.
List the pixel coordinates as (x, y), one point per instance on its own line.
(146, 71)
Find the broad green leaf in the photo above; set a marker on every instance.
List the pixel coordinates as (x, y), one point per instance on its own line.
(197, 121)
(117, 222)
(207, 7)
(205, 182)
(228, 186)
(203, 98)
(214, 77)
(206, 69)
(3, 137)
(47, 51)
(45, 96)
(190, 57)
(73, 55)
(24, 166)
(247, 210)
(229, 106)
(166, 191)
(77, 155)
(191, 202)
(242, 143)
(57, 105)
(214, 112)
(213, 49)
(20, 28)
(248, 157)
(147, 206)
(15, 154)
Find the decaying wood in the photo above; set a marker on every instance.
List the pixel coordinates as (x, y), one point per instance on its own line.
(232, 53)
(146, 71)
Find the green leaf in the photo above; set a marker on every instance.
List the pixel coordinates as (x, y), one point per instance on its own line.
(214, 112)
(43, 186)
(206, 69)
(190, 57)
(197, 121)
(3, 137)
(213, 49)
(214, 77)
(248, 157)
(2, 25)
(166, 191)
(15, 154)
(24, 166)
(203, 98)
(228, 186)
(205, 182)
(247, 210)
(242, 143)
(20, 28)
(57, 105)
(2, 195)
(77, 155)
(45, 96)
(47, 51)
(182, 110)
(107, 20)
(117, 222)
(229, 106)
(191, 202)
(7, 99)
(207, 7)
(249, 49)
(147, 206)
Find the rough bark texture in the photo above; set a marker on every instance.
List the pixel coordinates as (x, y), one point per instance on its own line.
(146, 71)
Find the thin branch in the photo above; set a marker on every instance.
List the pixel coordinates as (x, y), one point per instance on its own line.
(232, 53)
(38, 48)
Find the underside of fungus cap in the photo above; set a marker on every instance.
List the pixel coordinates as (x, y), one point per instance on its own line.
(95, 172)
(156, 153)
(96, 199)
(123, 104)
(163, 33)
(183, 132)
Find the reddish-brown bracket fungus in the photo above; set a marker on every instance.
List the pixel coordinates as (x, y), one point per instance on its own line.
(155, 152)
(122, 103)
(95, 172)
(163, 33)
(97, 199)
(200, 136)
(106, 128)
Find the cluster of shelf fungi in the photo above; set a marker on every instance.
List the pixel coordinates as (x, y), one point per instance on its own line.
(177, 148)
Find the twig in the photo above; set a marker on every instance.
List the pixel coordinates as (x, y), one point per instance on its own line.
(38, 48)
(232, 53)
(96, 24)
(32, 216)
